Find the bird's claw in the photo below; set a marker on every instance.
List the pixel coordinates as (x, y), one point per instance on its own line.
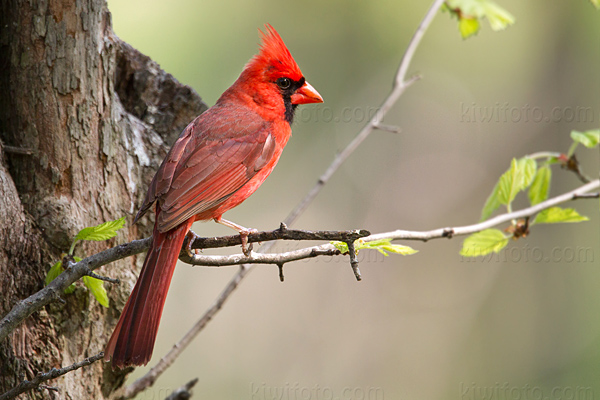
(188, 248)
(246, 249)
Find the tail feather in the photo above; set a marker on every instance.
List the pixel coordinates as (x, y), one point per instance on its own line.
(133, 339)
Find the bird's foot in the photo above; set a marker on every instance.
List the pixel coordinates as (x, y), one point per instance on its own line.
(244, 232)
(246, 249)
(191, 236)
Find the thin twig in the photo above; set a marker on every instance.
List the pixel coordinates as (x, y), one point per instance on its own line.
(353, 260)
(576, 194)
(262, 258)
(277, 234)
(581, 192)
(43, 377)
(115, 281)
(388, 128)
(594, 195)
(184, 392)
(18, 150)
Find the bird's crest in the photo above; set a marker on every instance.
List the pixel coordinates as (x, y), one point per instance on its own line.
(274, 57)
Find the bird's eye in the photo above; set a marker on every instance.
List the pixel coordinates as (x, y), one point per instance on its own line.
(284, 83)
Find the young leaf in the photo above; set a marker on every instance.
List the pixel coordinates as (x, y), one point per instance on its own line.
(473, 10)
(589, 139)
(54, 271)
(382, 245)
(491, 204)
(596, 3)
(468, 27)
(540, 187)
(341, 246)
(557, 214)
(101, 232)
(499, 18)
(528, 167)
(510, 183)
(96, 286)
(484, 242)
(70, 289)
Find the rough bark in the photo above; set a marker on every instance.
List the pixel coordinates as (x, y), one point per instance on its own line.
(95, 117)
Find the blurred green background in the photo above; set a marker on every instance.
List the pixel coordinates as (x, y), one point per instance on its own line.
(428, 326)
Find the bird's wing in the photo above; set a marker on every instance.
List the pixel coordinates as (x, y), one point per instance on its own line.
(211, 161)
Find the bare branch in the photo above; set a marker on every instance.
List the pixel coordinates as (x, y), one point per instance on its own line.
(353, 260)
(103, 278)
(184, 392)
(261, 258)
(388, 128)
(594, 195)
(76, 271)
(43, 377)
(53, 291)
(283, 233)
(572, 164)
(18, 150)
(579, 193)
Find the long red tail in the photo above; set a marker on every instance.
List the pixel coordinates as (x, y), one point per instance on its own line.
(133, 339)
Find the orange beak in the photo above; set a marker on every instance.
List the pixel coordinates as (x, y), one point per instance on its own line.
(306, 94)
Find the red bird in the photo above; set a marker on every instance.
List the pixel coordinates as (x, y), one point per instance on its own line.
(219, 160)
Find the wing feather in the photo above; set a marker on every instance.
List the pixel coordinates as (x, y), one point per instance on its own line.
(212, 159)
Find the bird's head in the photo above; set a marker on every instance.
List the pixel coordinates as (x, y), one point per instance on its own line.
(273, 79)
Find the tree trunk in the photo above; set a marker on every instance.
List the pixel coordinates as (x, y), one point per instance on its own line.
(85, 121)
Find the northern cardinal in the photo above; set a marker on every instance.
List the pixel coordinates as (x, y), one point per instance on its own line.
(219, 160)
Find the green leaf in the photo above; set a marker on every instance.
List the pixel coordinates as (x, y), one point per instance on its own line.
(468, 11)
(70, 289)
(382, 245)
(101, 232)
(468, 27)
(510, 183)
(540, 187)
(54, 272)
(518, 177)
(557, 214)
(484, 242)
(589, 139)
(96, 286)
(491, 204)
(499, 18)
(58, 269)
(341, 246)
(528, 167)
(596, 3)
